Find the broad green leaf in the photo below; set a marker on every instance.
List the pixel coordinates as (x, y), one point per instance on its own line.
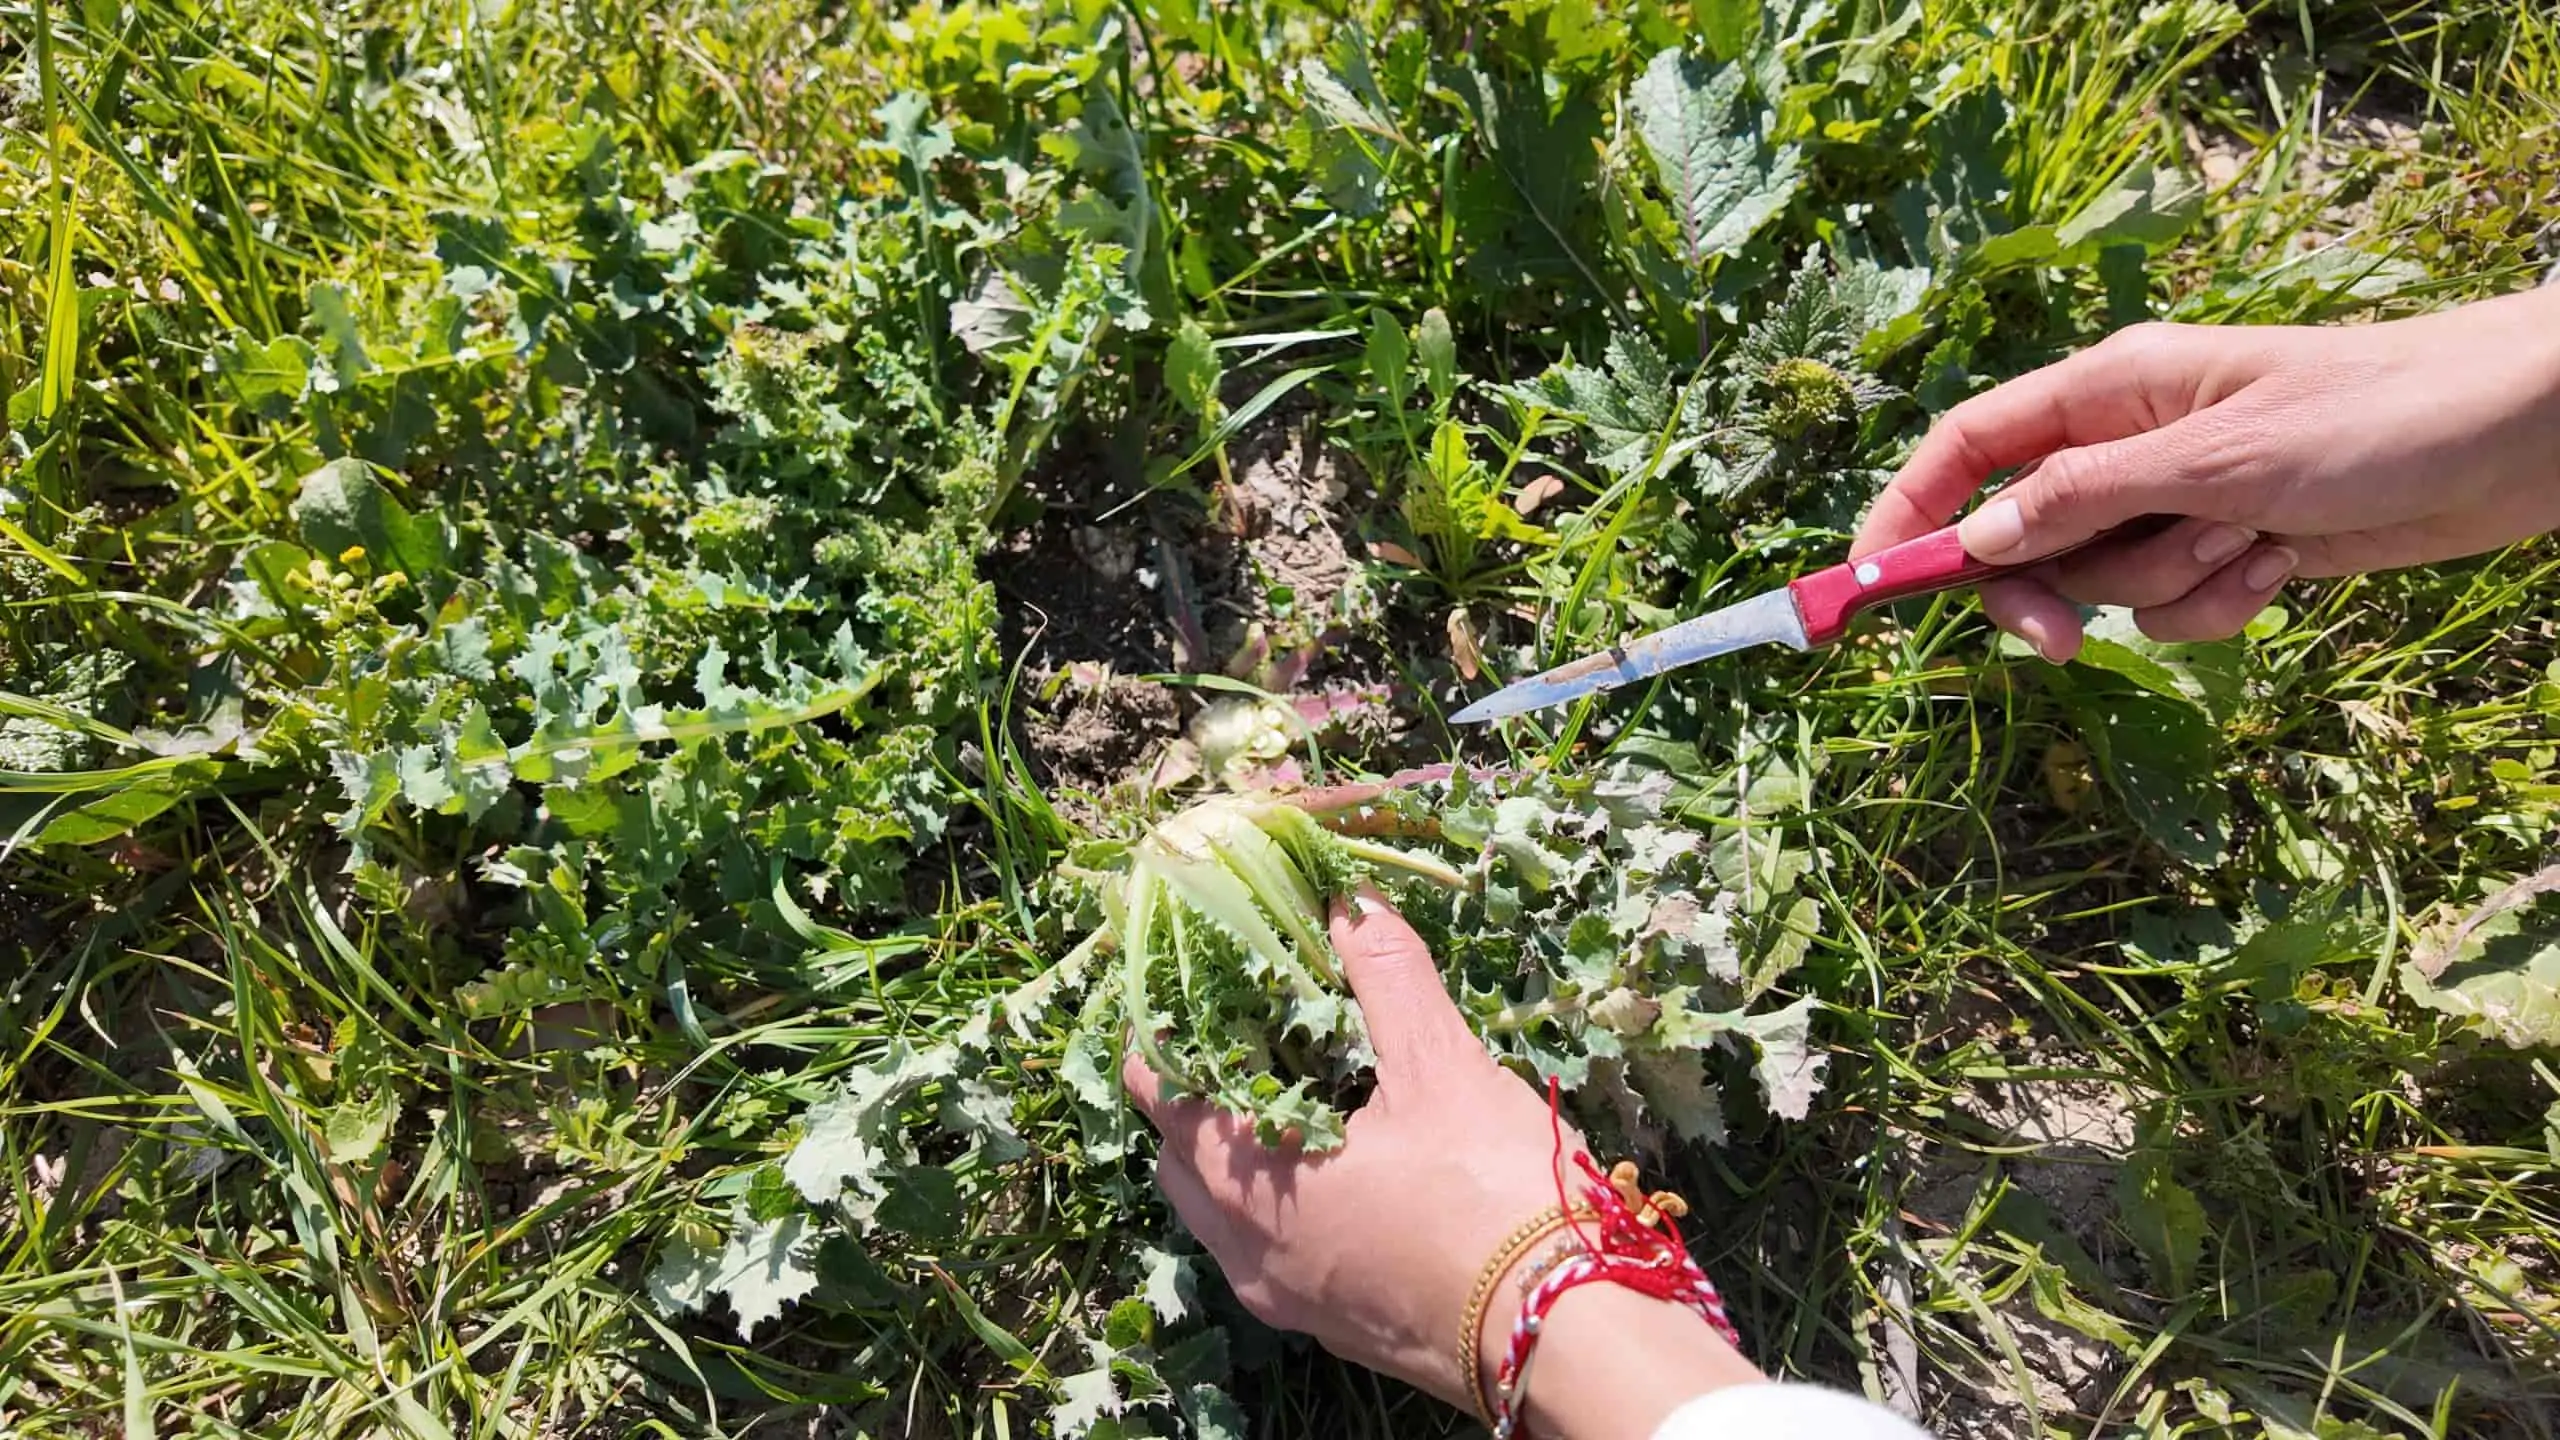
(919, 142)
(1346, 128)
(2499, 966)
(1730, 28)
(1717, 169)
(2161, 757)
(1121, 207)
(1388, 355)
(1788, 943)
(1572, 36)
(1676, 1087)
(2165, 1219)
(1523, 208)
(2018, 249)
(2211, 676)
(1789, 1068)
(1191, 369)
(340, 338)
(923, 1201)
(356, 1129)
(268, 378)
(992, 316)
(2151, 208)
(342, 507)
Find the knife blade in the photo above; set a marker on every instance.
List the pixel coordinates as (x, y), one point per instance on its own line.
(1814, 610)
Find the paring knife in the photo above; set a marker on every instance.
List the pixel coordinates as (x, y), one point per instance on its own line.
(1814, 610)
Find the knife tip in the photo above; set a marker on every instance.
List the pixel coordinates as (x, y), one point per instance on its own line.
(1475, 714)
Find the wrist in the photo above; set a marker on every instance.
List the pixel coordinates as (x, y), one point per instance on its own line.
(1503, 1287)
(1611, 1362)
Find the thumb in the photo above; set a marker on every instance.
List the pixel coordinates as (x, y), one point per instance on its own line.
(1413, 1024)
(2073, 496)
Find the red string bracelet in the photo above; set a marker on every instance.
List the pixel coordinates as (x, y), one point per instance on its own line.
(1628, 1250)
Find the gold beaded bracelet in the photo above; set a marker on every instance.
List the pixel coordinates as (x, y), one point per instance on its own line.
(1471, 1324)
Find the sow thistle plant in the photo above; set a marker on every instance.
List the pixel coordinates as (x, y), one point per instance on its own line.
(1586, 936)
(1588, 933)
(1225, 977)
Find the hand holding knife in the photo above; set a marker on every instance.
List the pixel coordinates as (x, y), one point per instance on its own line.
(1814, 610)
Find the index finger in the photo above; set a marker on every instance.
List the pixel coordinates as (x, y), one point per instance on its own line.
(1190, 1129)
(1413, 1024)
(2137, 380)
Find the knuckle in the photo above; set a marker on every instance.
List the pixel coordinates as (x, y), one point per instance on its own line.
(2145, 340)
(2222, 457)
(1962, 431)
(2065, 482)
(1266, 1304)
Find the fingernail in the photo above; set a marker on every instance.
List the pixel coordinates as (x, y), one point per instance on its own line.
(1991, 532)
(1366, 902)
(2268, 570)
(2033, 631)
(2223, 542)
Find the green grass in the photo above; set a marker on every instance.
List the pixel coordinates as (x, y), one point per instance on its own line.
(326, 1126)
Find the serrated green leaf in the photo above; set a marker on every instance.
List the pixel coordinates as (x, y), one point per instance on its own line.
(1086, 1398)
(1717, 169)
(1131, 1325)
(1211, 1414)
(765, 1265)
(850, 1139)
(1633, 405)
(1167, 1283)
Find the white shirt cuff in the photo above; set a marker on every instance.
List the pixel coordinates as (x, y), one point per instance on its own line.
(1784, 1412)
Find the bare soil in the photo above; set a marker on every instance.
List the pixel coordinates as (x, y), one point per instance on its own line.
(1109, 586)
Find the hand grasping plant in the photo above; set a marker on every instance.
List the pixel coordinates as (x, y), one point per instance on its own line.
(1372, 1248)
(1375, 1247)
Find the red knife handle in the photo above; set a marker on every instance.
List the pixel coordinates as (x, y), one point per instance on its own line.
(1828, 600)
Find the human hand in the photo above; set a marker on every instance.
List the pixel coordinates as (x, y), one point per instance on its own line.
(1375, 1247)
(2286, 450)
